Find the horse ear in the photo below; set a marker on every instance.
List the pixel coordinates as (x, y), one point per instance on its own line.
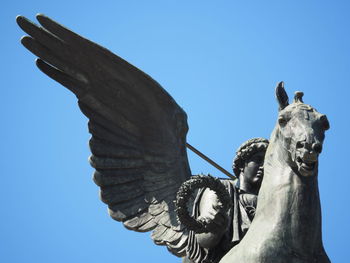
(281, 96)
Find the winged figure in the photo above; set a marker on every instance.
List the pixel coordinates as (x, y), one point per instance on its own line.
(138, 147)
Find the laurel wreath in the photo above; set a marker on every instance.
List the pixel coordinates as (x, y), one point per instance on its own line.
(185, 192)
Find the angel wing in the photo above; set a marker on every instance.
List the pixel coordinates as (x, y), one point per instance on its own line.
(138, 130)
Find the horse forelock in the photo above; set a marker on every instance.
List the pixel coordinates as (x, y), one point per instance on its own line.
(296, 106)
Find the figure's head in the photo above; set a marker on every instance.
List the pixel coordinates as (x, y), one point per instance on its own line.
(248, 164)
(301, 130)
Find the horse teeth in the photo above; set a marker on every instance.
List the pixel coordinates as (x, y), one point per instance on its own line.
(308, 166)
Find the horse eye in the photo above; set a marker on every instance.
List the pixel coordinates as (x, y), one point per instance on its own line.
(326, 125)
(325, 122)
(282, 121)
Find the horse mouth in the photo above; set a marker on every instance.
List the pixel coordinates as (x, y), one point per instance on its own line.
(306, 167)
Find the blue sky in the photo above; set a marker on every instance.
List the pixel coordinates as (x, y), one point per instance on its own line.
(220, 60)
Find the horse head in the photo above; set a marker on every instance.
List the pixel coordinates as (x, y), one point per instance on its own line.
(301, 130)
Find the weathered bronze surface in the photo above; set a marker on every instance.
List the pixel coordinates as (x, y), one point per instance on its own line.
(138, 147)
(223, 229)
(287, 223)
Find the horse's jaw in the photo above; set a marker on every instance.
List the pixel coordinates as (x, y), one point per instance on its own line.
(306, 163)
(303, 161)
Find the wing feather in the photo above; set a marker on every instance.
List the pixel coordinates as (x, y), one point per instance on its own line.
(116, 177)
(144, 222)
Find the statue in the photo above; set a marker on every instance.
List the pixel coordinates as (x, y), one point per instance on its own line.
(287, 222)
(138, 147)
(231, 226)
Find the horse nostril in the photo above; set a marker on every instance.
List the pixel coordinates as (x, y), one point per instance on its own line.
(317, 147)
(300, 144)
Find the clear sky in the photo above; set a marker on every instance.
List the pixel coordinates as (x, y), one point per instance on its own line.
(220, 60)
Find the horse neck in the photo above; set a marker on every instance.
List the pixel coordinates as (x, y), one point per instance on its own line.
(289, 202)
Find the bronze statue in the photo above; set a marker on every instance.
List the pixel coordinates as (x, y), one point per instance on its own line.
(287, 222)
(138, 147)
(230, 226)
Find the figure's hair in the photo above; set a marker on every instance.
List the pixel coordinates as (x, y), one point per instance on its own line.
(246, 150)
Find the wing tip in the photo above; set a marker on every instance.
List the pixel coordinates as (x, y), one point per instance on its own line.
(26, 40)
(19, 19)
(40, 15)
(39, 63)
(41, 18)
(22, 21)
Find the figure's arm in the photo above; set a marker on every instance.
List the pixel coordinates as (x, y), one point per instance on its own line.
(208, 209)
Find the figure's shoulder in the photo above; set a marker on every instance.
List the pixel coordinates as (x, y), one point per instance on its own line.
(229, 183)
